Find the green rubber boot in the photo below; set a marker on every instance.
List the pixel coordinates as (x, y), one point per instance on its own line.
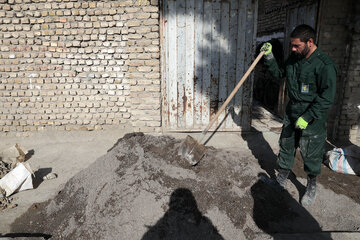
(282, 176)
(310, 194)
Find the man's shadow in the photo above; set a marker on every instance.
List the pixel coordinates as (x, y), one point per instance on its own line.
(183, 220)
(278, 214)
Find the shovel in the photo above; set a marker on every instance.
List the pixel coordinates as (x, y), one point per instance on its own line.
(193, 150)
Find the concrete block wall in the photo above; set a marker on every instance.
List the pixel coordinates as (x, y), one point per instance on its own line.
(339, 37)
(350, 113)
(79, 65)
(351, 106)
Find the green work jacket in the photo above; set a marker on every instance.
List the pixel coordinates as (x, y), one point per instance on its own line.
(311, 85)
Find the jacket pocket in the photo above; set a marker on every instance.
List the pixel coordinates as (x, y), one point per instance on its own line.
(307, 84)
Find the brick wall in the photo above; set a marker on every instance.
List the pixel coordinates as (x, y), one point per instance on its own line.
(79, 65)
(339, 36)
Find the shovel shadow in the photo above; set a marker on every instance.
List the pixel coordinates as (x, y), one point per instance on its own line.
(218, 127)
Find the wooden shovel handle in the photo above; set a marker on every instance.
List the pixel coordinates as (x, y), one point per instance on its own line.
(232, 94)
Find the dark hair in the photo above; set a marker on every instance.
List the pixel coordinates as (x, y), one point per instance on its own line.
(304, 32)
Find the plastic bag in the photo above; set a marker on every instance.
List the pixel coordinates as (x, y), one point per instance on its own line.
(345, 160)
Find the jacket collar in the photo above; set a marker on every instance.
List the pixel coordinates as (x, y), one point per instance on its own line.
(316, 53)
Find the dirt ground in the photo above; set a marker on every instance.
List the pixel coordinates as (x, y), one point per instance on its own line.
(141, 189)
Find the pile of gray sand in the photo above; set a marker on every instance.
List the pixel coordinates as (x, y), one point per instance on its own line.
(141, 189)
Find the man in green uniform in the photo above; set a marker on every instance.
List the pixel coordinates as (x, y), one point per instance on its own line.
(311, 84)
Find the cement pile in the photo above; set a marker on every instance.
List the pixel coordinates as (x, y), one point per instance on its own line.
(139, 181)
(141, 189)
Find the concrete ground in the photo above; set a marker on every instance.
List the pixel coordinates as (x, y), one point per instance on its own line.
(66, 153)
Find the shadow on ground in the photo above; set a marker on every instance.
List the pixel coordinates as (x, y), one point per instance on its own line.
(277, 212)
(183, 220)
(39, 176)
(261, 150)
(25, 235)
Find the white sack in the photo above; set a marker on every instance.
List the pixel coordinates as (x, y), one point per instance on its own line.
(18, 179)
(344, 160)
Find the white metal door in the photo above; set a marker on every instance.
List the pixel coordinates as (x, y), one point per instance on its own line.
(206, 48)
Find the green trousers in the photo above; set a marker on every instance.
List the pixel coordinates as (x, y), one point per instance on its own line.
(311, 142)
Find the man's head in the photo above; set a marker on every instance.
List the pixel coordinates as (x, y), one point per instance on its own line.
(303, 39)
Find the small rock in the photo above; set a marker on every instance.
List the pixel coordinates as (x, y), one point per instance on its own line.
(11, 205)
(50, 176)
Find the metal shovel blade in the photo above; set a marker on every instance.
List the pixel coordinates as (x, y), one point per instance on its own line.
(191, 150)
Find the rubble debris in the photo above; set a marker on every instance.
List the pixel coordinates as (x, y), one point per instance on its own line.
(5, 202)
(4, 169)
(12, 155)
(15, 174)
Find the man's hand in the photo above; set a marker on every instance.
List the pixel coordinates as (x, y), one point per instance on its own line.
(301, 123)
(266, 47)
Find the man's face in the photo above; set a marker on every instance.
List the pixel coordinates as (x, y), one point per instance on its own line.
(299, 48)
